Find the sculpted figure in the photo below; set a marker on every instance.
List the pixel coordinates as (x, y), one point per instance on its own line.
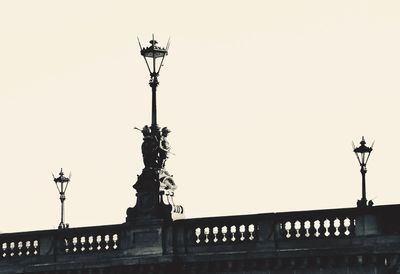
(164, 147)
(149, 148)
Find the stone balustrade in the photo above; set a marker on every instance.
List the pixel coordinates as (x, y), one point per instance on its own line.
(317, 224)
(259, 236)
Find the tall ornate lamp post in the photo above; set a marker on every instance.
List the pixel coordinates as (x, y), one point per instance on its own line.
(150, 55)
(62, 185)
(154, 186)
(363, 152)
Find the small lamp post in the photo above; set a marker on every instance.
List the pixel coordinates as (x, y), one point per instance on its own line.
(150, 55)
(62, 184)
(362, 153)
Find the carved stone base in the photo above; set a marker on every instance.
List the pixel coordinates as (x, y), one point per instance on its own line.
(152, 186)
(148, 207)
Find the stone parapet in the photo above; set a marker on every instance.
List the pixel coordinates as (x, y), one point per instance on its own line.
(350, 239)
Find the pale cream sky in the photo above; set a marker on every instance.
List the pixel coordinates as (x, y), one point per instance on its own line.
(263, 98)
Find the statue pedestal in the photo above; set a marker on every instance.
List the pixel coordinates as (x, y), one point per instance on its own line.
(154, 197)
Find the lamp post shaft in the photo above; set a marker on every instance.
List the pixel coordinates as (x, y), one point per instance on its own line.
(364, 191)
(62, 199)
(62, 212)
(153, 85)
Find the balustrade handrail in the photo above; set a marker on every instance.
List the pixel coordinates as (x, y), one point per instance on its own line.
(351, 211)
(65, 231)
(383, 209)
(278, 215)
(25, 234)
(318, 213)
(68, 231)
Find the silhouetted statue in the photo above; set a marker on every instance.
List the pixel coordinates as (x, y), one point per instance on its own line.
(155, 147)
(164, 147)
(149, 148)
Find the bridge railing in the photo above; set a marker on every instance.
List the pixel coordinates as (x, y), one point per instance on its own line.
(19, 245)
(90, 239)
(334, 223)
(54, 245)
(214, 235)
(288, 230)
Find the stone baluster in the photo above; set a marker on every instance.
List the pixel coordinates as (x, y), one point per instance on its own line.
(332, 228)
(292, 230)
(312, 230)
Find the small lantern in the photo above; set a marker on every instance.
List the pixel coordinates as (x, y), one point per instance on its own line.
(151, 53)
